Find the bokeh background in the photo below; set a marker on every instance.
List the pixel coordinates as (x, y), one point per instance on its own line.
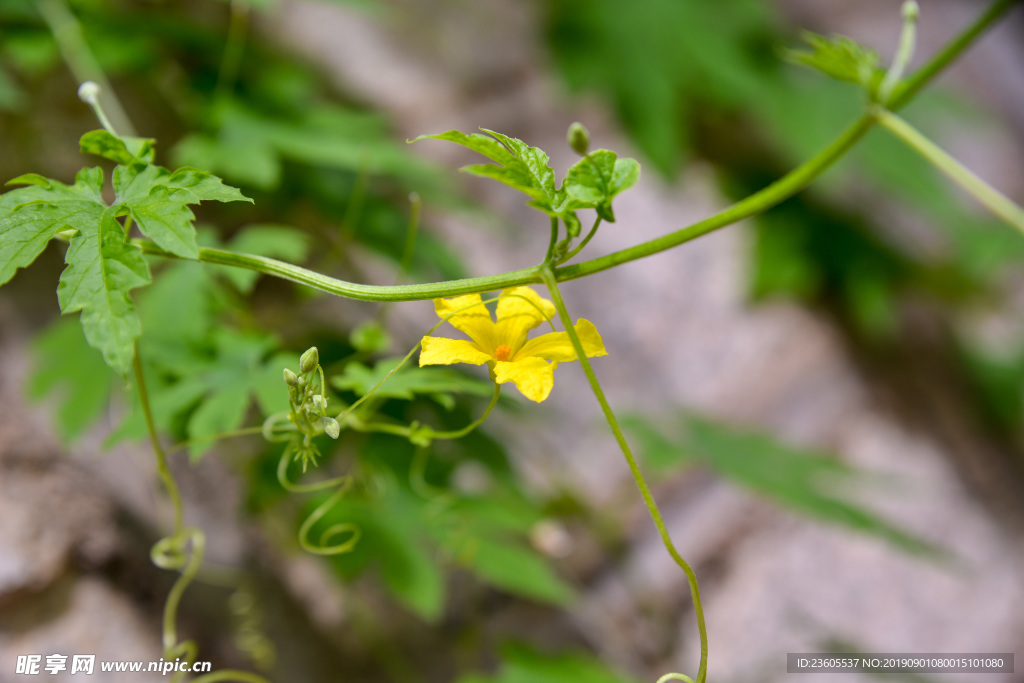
(828, 398)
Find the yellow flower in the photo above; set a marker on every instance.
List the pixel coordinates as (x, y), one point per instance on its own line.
(503, 345)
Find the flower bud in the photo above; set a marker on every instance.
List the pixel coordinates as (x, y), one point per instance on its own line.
(320, 402)
(911, 11)
(332, 427)
(290, 378)
(89, 92)
(579, 138)
(309, 360)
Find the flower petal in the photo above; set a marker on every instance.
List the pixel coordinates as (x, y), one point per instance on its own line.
(534, 377)
(475, 321)
(520, 309)
(442, 351)
(556, 346)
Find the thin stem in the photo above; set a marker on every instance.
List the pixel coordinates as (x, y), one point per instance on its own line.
(459, 433)
(234, 48)
(81, 62)
(356, 201)
(585, 242)
(412, 231)
(675, 677)
(89, 92)
(994, 200)
(552, 241)
(161, 458)
(652, 507)
(905, 52)
(327, 545)
(352, 290)
(405, 431)
(405, 265)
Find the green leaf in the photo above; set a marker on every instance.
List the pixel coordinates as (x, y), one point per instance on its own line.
(841, 58)
(30, 179)
(235, 374)
(809, 483)
(66, 365)
(520, 166)
(123, 150)
(158, 202)
(489, 147)
(597, 178)
(32, 215)
(514, 568)
(370, 337)
(409, 381)
(535, 160)
(102, 268)
(101, 271)
(522, 664)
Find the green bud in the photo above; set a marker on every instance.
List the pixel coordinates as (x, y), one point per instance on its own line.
(302, 382)
(332, 427)
(309, 360)
(579, 138)
(290, 378)
(911, 11)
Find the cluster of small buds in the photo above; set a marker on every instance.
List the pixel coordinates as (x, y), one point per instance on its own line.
(309, 404)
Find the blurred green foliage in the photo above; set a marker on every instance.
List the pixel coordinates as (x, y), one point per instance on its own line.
(815, 484)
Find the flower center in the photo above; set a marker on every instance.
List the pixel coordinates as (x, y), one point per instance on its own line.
(503, 352)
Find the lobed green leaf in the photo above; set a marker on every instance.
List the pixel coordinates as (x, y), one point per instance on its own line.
(101, 271)
(841, 58)
(594, 180)
(158, 200)
(30, 216)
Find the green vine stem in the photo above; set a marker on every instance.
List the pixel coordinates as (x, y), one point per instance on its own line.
(652, 507)
(154, 438)
(905, 52)
(793, 182)
(994, 200)
(675, 677)
(585, 242)
(552, 241)
(172, 553)
(326, 545)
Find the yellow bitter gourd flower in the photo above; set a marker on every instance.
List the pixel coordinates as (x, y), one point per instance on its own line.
(529, 364)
